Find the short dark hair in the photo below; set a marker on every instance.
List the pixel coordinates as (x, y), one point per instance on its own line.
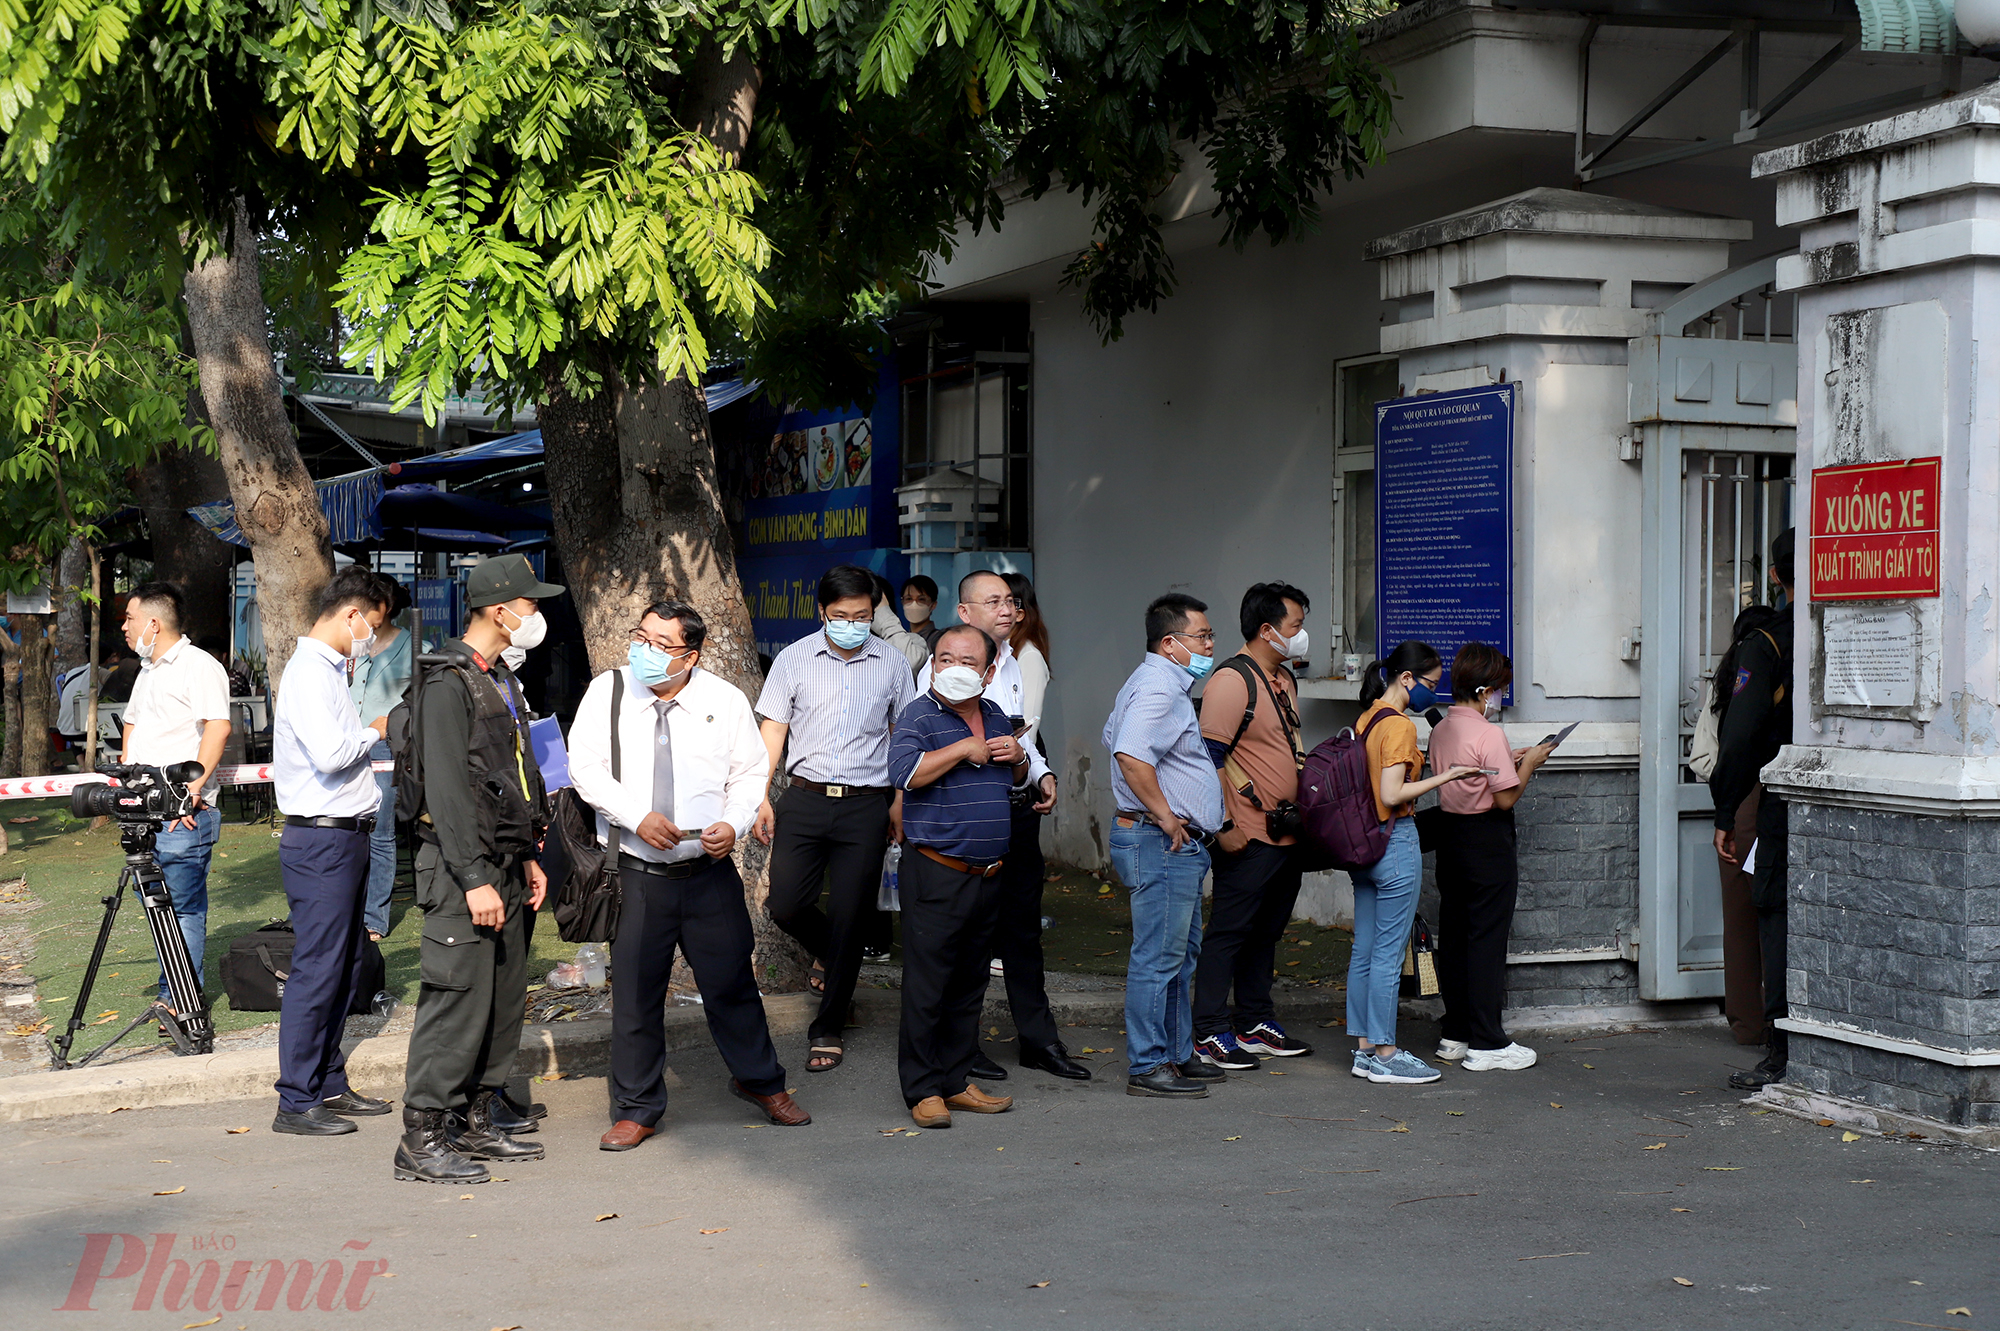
(923, 583)
(845, 580)
(693, 631)
(1784, 548)
(1264, 604)
(399, 595)
(164, 601)
(1169, 614)
(985, 638)
(1479, 666)
(354, 586)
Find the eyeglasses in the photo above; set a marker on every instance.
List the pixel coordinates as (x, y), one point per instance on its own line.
(992, 604)
(639, 639)
(1206, 637)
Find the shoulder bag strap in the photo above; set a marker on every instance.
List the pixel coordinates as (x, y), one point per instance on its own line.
(617, 701)
(1241, 665)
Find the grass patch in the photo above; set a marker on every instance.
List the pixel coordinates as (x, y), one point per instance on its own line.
(70, 869)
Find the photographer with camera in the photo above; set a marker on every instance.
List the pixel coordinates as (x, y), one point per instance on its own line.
(327, 793)
(1250, 723)
(179, 712)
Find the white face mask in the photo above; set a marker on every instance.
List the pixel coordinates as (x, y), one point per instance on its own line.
(357, 648)
(916, 612)
(145, 650)
(1493, 705)
(529, 631)
(515, 656)
(958, 683)
(1295, 647)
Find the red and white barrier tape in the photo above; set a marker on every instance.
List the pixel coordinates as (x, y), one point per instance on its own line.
(50, 787)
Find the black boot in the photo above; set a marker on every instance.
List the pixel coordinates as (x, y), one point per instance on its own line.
(473, 1134)
(1768, 1072)
(509, 1120)
(533, 1109)
(985, 1068)
(425, 1156)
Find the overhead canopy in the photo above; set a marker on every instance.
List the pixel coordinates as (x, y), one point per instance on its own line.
(359, 511)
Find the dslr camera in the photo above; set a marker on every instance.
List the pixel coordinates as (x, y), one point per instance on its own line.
(143, 794)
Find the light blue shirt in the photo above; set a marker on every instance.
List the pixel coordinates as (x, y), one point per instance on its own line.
(380, 679)
(1154, 721)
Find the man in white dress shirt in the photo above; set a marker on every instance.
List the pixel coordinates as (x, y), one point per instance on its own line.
(327, 793)
(688, 756)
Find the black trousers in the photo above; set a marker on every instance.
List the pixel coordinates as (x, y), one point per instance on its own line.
(838, 843)
(704, 916)
(1478, 879)
(1773, 928)
(1017, 933)
(326, 879)
(1255, 891)
(473, 991)
(948, 922)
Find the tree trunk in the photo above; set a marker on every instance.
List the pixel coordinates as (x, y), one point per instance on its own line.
(37, 690)
(638, 518)
(183, 550)
(72, 597)
(276, 504)
(10, 702)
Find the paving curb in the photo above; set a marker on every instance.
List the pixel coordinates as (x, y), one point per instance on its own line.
(571, 1048)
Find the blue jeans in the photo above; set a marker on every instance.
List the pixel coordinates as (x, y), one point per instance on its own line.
(183, 855)
(1385, 902)
(381, 849)
(1166, 943)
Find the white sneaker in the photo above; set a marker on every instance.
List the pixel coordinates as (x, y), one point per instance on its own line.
(994, 967)
(1452, 1050)
(1511, 1059)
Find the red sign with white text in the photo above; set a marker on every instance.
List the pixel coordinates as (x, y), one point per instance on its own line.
(1875, 530)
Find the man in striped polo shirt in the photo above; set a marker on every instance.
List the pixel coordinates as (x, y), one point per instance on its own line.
(955, 757)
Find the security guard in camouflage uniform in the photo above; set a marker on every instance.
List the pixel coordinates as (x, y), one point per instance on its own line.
(483, 811)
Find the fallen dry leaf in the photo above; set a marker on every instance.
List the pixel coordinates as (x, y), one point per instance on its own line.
(1039, 1284)
(1232, 1139)
(1591, 1066)
(236, 1132)
(1455, 1113)
(1274, 1072)
(723, 1230)
(163, 1162)
(1684, 1210)
(465, 1196)
(1958, 1312)
(1656, 1146)
(1683, 1280)
(1824, 1122)
(608, 1215)
(1554, 1105)
(515, 1327)
(190, 1326)
(1722, 1169)
(1850, 1136)
(172, 1191)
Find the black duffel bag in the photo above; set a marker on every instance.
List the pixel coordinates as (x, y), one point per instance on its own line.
(588, 896)
(255, 969)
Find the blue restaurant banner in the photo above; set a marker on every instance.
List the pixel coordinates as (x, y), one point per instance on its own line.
(823, 492)
(1444, 521)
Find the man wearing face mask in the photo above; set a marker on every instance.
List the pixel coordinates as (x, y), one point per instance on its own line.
(1169, 812)
(834, 696)
(668, 754)
(955, 757)
(1250, 724)
(179, 710)
(986, 602)
(480, 821)
(325, 782)
(920, 598)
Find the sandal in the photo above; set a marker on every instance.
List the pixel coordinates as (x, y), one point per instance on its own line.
(816, 981)
(825, 1057)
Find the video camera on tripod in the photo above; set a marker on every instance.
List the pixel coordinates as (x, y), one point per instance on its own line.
(144, 801)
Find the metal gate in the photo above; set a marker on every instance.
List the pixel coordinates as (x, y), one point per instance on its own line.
(1714, 416)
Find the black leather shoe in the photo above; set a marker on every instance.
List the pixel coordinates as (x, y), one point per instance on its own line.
(424, 1155)
(985, 1068)
(1054, 1059)
(1196, 1070)
(319, 1121)
(1764, 1074)
(472, 1134)
(506, 1120)
(1166, 1082)
(533, 1109)
(354, 1104)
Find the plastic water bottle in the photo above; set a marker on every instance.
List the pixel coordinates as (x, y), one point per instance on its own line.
(591, 958)
(889, 896)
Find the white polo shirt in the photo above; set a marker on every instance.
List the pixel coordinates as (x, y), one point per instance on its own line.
(172, 700)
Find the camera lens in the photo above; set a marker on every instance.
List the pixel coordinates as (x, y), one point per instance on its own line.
(96, 799)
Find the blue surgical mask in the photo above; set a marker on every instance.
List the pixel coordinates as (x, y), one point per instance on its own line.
(846, 634)
(1198, 666)
(653, 666)
(1422, 696)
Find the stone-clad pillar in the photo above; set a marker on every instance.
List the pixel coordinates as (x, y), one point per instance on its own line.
(1894, 773)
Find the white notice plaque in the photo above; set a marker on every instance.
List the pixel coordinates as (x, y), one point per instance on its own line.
(1870, 657)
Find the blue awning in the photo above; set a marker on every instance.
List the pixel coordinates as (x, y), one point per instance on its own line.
(351, 503)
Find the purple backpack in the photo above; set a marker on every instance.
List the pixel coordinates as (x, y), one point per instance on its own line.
(1337, 799)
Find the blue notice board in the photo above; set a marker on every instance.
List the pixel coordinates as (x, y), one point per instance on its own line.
(1444, 521)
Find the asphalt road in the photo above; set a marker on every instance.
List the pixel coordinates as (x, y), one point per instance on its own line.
(1308, 1199)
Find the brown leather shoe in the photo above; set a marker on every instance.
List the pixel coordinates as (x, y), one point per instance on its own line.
(975, 1101)
(930, 1112)
(780, 1108)
(624, 1135)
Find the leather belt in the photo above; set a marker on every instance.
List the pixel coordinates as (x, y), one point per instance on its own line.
(840, 792)
(957, 865)
(678, 869)
(363, 824)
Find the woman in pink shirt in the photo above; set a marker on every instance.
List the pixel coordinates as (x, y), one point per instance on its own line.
(1477, 876)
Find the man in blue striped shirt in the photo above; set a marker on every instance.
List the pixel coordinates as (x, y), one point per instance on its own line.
(1169, 810)
(954, 755)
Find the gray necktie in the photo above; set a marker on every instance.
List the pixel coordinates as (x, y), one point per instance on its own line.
(663, 765)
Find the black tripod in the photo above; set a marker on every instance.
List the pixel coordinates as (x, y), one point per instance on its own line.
(190, 1027)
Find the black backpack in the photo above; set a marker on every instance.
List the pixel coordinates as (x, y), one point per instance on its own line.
(588, 900)
(406, 727)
